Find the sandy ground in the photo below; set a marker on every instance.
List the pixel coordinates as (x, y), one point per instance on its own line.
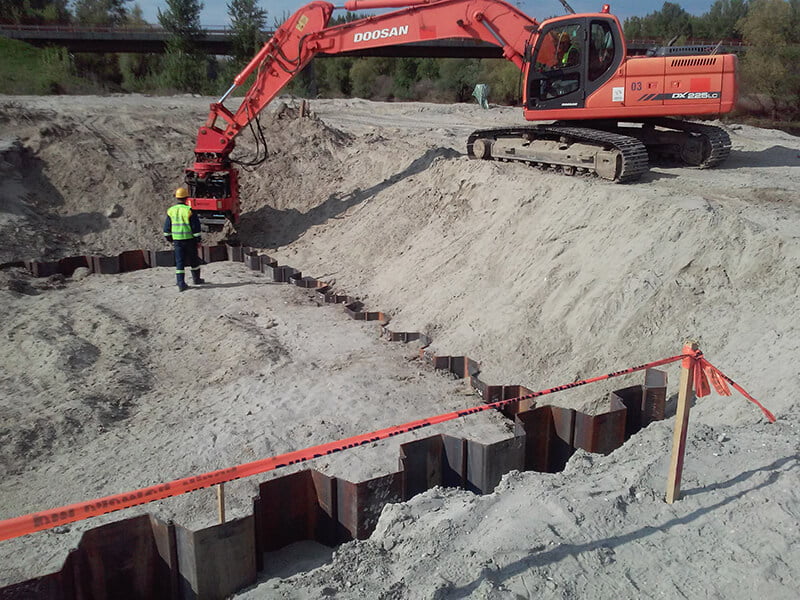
(110, 383)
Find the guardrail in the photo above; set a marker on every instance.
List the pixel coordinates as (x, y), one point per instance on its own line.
(107, 29)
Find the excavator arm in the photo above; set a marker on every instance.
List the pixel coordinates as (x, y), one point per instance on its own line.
(213, 180)
(306, 34)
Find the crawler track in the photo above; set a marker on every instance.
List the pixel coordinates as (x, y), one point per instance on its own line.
(717, 139)
(632, 159)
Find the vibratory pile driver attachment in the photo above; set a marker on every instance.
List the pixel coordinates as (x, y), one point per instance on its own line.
(214, 193)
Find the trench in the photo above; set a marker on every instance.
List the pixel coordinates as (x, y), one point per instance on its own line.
(146, 557)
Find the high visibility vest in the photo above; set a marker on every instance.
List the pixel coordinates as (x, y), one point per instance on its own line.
(179, 218)
(567, 55)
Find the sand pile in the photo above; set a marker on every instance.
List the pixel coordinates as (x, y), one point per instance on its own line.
(542, 278)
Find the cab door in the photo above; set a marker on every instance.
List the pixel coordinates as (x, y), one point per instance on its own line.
(557, 70)
(572, 59)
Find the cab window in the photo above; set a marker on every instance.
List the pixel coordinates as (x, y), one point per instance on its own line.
(560, 49)
(601, 49)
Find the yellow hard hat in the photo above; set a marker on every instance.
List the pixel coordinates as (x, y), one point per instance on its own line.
(181, 193)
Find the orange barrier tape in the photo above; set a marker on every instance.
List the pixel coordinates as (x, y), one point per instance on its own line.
(704, 371)
(40, 521)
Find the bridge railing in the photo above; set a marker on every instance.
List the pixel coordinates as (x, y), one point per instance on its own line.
(106, 29)
(690, 42)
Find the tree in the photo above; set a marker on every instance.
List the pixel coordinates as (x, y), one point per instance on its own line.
(670, 22)
(247, 22)
(504, 79)
(34, 12)
(138, 70)
(364, 75)
(633, 28)
(771, 66)
(458, 77)
(719, 23)
(104, 68)
(182, 21)
(101, 12)
(405, 76)
(185, 67)
(333, 76)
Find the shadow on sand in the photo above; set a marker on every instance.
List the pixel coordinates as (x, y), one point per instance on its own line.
(562, 551)
(776, 156)
(268, 227)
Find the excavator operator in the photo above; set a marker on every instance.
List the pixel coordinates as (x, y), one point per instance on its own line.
(568, 51)
(182, 228)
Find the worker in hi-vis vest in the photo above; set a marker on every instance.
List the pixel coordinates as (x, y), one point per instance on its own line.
(568, 51)
(182, 228)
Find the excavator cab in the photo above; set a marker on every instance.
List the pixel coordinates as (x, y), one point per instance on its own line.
(572, 58)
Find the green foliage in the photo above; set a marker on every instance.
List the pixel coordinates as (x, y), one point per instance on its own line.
(632, 28)
(669, 22)
(182, 21)
(404, 77)
(347, 17)
(184, 66)
(139, 72)
(457, 77)
(427, 79)
(504, 79)
(183, 72)
(247, 22)
(101, 12)
(304, 83)
(364, 75)
(719, 23)
(772, 23)
(29, 70)
(771, 67)
(102, 68)
(427, 68)
(333, 76)
(34, 12)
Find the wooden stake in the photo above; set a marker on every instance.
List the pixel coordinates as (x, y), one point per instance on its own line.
(221, 502)
(681, 424)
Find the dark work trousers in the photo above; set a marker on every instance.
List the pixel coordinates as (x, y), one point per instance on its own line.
(186, 255)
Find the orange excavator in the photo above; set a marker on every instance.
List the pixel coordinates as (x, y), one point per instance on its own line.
(609, 112)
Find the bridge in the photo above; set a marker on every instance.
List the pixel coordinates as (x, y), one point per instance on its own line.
(218, 41)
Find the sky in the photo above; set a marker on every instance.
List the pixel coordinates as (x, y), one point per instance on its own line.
(215, 12)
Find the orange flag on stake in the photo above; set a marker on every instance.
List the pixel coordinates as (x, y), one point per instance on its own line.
(704, 370)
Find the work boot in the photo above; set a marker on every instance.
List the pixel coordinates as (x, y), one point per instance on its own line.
(181, 279)
(196, 279)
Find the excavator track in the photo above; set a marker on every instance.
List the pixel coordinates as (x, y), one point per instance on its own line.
(716, 140)
(692, 144)
(572, 150)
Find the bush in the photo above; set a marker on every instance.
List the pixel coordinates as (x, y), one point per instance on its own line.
(364, 74)
(28, 70)
(458, 78)
(504, 79)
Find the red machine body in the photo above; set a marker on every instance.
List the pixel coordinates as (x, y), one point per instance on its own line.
(600, 83)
